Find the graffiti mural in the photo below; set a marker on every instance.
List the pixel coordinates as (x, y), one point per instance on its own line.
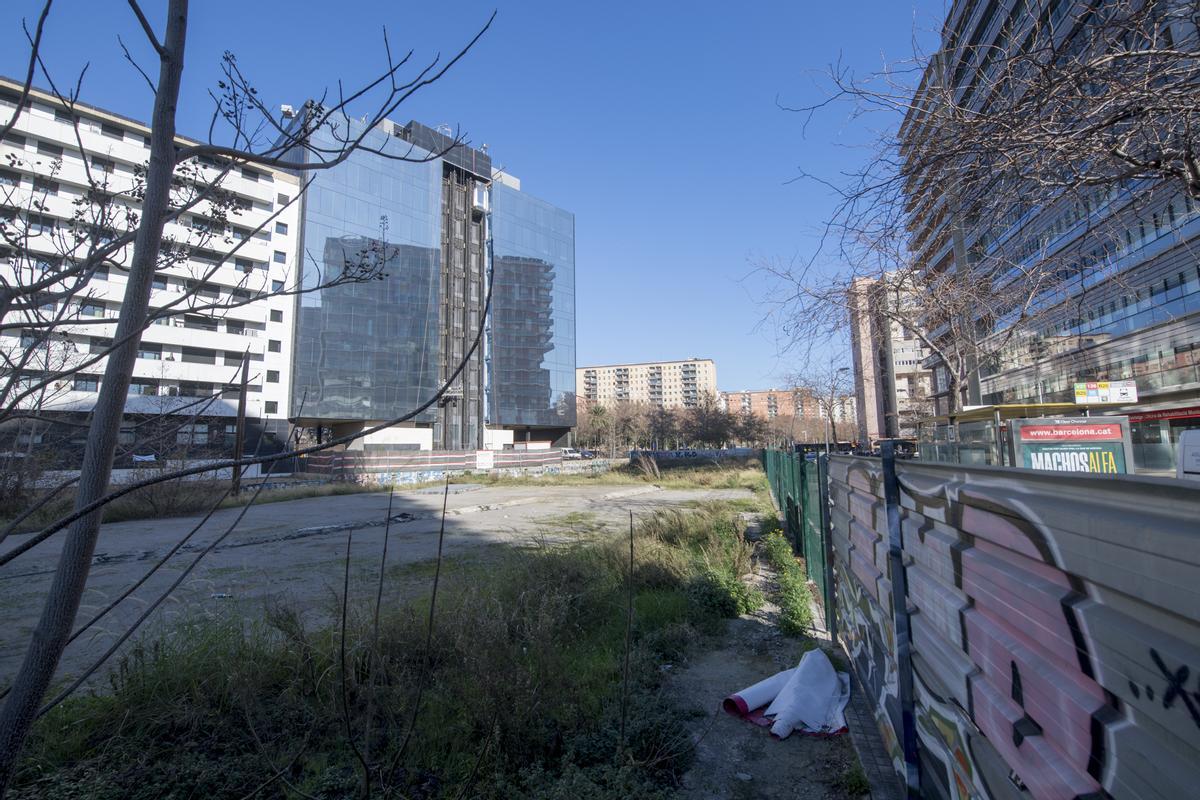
(1055, 626)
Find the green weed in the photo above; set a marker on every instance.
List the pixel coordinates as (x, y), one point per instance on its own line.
(522, 694)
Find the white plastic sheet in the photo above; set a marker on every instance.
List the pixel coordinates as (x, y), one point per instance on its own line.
(758, 695)
(811, 698)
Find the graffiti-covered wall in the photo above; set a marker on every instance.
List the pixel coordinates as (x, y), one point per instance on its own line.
(1055, 627)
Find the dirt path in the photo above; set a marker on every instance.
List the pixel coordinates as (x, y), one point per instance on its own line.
(736, 760)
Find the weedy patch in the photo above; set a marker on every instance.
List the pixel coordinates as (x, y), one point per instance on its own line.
(519, 691)
(795, 599)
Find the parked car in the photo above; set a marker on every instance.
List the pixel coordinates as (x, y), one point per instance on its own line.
(571, 454)
(588, 453)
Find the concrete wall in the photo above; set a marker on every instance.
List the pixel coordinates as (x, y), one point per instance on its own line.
(403, 467)
(1055, 627)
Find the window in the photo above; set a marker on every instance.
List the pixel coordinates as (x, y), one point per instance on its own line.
(283, 199)
(112, 131)
(272, 407)
(274, 345)
(276, 316)
(9, 178)
(49, 149)
(250, 174)
(15, 139)
(86, 383)
(158, 282)
(198, 355)
(199, 323)
(235, 326)
(206, 290)
(150, 351)
(41, 224)
(192, 434)
(276, 286)
(99, 345)
(45, 186)
(233, 359)
(245, 264)
(272, 376)
(91, 310)
(142, 387)
(62, 115)
(280, 257)
(281, 227)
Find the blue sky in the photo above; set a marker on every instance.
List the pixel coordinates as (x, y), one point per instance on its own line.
(655, 123)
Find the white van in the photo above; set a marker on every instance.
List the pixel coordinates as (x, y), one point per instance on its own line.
(1189, 456)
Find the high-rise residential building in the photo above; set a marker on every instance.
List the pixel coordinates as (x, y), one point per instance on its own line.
(52, 164)
(436, 225)
(1139, 318)
(428, 208)
(667, 384)
(891, 385)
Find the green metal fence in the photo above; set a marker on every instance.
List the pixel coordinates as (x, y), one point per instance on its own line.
(796, 485)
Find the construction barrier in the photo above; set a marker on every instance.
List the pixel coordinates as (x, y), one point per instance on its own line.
(1022, 634)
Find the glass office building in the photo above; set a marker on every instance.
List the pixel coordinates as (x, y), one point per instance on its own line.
(369, 350)
(532, 377)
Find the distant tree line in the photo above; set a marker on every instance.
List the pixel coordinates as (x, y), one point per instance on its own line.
(619, 427)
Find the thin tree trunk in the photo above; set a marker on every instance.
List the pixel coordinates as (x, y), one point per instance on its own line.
(70, 578)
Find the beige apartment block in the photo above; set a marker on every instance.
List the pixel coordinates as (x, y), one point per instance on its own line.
(667, 384)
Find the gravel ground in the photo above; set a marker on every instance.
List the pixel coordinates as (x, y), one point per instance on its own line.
(736, 760)
(293, 551)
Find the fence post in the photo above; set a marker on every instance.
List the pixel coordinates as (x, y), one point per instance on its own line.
(908, 734)
(830, 598)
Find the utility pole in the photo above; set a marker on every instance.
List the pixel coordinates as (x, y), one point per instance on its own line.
(239, 441)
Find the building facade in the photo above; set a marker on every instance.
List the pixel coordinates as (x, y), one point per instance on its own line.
(666, 384)
(443, 221)
(1134, 312)
(771, 404)
(276, 283)
(891, 386)
(225, 304)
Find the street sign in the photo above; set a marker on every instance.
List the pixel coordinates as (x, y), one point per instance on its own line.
(1106, 392)
(1073, 444)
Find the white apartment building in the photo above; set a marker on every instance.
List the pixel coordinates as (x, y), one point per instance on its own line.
(667, 384)
(183, 357)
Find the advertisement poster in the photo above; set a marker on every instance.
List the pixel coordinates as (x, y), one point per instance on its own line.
(1082, 444)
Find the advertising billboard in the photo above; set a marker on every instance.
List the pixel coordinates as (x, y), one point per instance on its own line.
(1074, 444)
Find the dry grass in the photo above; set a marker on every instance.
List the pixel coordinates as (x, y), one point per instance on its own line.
(522, 696)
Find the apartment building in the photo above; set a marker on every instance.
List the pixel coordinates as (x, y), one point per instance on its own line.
(891, 385)
(667, 384)
(1134, 311)
(186, 361)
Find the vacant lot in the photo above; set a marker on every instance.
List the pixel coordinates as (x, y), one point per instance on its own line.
(292, 552)
(541, 678)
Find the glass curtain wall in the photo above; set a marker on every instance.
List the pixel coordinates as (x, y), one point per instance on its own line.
(533, 312)
(369, 350)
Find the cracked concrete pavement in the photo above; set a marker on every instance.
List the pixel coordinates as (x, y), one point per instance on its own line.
(294, 551)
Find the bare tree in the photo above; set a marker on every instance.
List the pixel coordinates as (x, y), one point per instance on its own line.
(1086, 113)
(49, 283)
(829, 386)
